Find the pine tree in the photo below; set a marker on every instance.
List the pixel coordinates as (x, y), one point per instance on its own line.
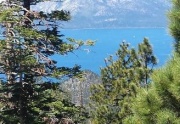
(111, 100)
(174, 23)
(29, 40)
(147, 60)
(160, 103)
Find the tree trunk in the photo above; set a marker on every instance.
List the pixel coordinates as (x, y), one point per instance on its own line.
(27, 4)
(22, 96)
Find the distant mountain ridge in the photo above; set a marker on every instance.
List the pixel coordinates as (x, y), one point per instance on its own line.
(111, 13)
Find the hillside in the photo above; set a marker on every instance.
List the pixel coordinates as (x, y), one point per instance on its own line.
(79, 89)
(111, 13)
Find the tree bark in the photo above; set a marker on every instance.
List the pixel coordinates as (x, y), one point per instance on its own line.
(23, 98)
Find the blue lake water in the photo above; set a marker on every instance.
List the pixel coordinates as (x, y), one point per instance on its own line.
(107, 43)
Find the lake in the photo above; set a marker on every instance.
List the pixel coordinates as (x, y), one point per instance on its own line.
(107, 43)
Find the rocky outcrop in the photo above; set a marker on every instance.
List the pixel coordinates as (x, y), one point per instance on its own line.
(79, 89)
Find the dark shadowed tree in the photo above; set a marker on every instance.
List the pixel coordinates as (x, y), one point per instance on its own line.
(147, 60)
(28, 41)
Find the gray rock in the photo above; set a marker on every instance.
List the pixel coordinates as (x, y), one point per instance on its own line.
(79, 89)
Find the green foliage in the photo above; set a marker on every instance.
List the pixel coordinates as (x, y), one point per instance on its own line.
(160, 104)
(53, 104)
(121, 79)
(174, 23)
(30, 38)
